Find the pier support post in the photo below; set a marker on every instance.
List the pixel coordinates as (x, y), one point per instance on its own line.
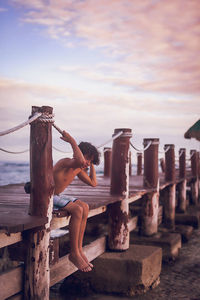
(198, 154)
(181, 187)
(162, 165)
(139, 163)
(41, 202)
(107, 161)
(195, 180)
(118, 238)
(150, 205)
(169, 193)
(130, 164)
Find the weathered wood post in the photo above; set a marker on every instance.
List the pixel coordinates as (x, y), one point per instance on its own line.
(139, 163)
(195, 180)
(107, 161)
(130, 164)
(169, 193)
(118, 238)
(162, 165)
(42, 186)
(150, 204)
(181, 187)
(198, 153)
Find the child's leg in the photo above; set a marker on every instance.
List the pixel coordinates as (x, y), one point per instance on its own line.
(76, 213)
(85, 208)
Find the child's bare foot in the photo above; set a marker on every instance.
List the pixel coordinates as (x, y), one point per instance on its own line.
(85, 258)
(80, 263)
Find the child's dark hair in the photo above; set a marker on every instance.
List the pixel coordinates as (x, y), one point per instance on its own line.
(91, 151)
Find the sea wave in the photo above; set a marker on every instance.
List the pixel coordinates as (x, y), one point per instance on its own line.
(14, 172)
(19, 172)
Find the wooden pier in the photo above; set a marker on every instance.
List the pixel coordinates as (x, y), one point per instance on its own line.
(27, 220)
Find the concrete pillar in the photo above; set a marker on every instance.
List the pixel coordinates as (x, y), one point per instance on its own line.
(181, 187)
(139, 163)
(107, 161)
(169, 193)
(195, 180)
(118, 212)
(150, 204)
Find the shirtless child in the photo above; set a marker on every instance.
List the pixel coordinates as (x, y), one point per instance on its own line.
(85, 155)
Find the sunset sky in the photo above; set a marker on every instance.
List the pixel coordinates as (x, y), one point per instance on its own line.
(101, 65)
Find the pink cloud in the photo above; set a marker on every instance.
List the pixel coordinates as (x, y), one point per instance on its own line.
(161, 36)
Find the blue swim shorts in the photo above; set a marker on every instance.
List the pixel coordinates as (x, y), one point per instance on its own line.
(60, 201)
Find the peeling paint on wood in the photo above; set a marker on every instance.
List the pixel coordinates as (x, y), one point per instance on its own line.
(118, 212)
(150, 205)
(41, 204)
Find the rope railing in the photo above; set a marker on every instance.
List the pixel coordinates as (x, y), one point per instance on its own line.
(112, 139)
(135, 148)
(24, 151)
(61, 150)
(165, 150)
(12, 152)
(57, 128)
(181, 152)
(48, 118)
(144, 149)
(193, 152)
(33, 118)
(105, 150)
(100, 146)
(44, 117)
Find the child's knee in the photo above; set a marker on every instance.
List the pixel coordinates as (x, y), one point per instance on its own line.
(77, 211)
(85, 207)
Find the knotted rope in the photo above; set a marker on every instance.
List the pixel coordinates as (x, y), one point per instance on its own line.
(43, 117)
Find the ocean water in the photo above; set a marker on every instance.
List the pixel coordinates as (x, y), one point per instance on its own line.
(14, 172)
(19, 172)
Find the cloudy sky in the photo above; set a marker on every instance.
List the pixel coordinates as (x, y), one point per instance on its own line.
(101, 65)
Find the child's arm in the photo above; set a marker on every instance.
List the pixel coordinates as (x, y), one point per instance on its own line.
(78, 158)
(91, 179)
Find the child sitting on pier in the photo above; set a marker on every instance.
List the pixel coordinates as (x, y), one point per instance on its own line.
(85, 155)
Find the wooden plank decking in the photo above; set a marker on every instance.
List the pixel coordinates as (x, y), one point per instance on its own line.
(14, 219)
(14, 202)
(14, 205)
